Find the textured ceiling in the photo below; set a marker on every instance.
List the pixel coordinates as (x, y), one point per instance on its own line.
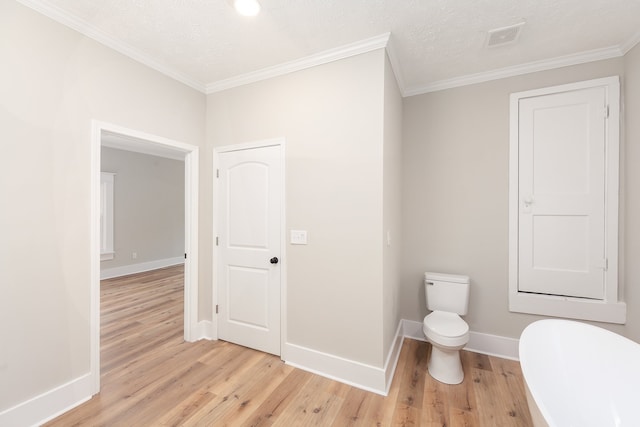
(433, 41)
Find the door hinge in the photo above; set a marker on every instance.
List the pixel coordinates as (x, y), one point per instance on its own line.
(217, 173)
(606, 112)
(185, 255)
(216, 308)
(604, 264)
(217, 242)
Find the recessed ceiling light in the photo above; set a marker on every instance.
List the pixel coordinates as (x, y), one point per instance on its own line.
(247, 7)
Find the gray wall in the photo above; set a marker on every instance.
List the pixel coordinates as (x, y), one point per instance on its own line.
(331, 117)
(392, 205)
(630, 183)
(53, 82)
(340, 188)
(148, 207)
(455, 202)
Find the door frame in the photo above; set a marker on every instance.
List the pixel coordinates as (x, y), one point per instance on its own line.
(141, 142)
(283, 242)
(612, 309)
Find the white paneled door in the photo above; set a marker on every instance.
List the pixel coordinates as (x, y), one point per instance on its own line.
(561, 235)
(249, 244)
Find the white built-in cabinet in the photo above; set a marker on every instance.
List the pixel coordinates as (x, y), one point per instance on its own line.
(563, 221)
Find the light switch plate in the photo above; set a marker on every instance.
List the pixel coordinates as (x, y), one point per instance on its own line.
(298, 237)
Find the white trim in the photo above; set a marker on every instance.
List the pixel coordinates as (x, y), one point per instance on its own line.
(530, 67)
(342, 52)
(107, 256)
(281, 141)
(412, 329)
(395, 65)
(357, 48)
(106, 215)
(94, 238)
(492, 345)
(139, 141)
(125, 270)
(363, 376)
(569, 308)
(191, 241)
(247, 146)
(630, 44)
(83, 27)
(337, 368)
(391, 363)
(610, 309)
(47, 406)
(203, 331)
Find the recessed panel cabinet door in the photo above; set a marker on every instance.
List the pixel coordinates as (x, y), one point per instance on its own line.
(250, 185)
(561, 231)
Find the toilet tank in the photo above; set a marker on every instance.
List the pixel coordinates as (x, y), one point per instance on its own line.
(447, 292)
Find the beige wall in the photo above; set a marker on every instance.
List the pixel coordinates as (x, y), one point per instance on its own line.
(392, 204)
(53, 82)
(455, 201)
(331, 118)
(342, 186)
(630, 181)
(148, 207)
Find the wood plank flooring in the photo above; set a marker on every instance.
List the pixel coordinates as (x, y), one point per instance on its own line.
(151, 377)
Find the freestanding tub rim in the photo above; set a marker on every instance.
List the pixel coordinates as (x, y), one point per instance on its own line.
(577, 374)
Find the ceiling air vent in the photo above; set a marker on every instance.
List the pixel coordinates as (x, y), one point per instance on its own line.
(504, 36)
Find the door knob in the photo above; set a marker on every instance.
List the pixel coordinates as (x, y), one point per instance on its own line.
(274, 260)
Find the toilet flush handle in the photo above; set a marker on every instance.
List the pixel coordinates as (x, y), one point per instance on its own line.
(428, 283)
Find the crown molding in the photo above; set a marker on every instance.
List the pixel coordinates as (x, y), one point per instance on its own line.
(395, 65)
(357, 48)
(324, 57)
(530, 67)
(630, 44)
(92, 32)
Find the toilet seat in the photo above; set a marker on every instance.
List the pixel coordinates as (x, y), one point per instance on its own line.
(446, 329)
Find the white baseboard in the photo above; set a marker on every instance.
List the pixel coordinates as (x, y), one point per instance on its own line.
(378, 380)
(492, 345)
(347, 371)
(204, 331)
(49, 405)
(392, 358)
(412, 329)
(360, 375)
(109, 273)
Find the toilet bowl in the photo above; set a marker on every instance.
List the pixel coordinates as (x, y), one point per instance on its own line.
(448, 334)
(447, 296)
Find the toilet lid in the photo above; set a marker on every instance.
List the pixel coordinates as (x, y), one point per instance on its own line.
(446, 324)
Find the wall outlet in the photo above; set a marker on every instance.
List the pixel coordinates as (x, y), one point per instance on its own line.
(134, 255)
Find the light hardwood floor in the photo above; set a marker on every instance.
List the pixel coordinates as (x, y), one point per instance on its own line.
(151, 377)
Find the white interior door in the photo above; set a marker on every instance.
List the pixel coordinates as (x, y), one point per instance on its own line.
(250, 199)
(562, 193)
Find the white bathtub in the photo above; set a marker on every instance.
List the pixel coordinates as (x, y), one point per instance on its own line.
(578, 375)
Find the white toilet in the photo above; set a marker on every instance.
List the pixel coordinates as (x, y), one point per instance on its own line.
(448, 299)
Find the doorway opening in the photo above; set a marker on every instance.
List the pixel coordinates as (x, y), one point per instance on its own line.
(113, 136)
